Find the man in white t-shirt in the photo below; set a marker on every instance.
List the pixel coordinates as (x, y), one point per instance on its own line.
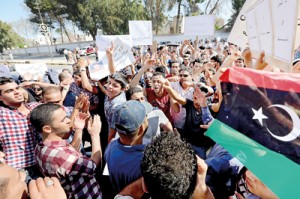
(183, 88)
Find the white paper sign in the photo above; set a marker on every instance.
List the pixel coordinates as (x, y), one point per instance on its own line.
(104, 41)
(4, 71)
(252, 31)
(141, 32)
(122, 57)
(33, 69)
(284, 20)
(200, 25)
(264, 26)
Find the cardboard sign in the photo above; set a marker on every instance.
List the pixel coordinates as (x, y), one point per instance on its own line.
(264, 26)
(253, 37)
(35, 70)
(104, 41)
(141, 32)
(4, 71)
(122, 57)
(285, 16)
(203, 25)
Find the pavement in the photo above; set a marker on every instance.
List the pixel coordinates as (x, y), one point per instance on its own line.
(56, 60)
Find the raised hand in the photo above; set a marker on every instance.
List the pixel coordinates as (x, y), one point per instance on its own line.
(200, 97)
(94, 125)
(80, 120)
(110, 51)
(261, 63)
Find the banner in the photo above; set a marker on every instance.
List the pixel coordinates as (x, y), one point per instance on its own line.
(141, 32)
(32, 69)
(202, 25)
(259, 124)
(104, 41)
(122, 57)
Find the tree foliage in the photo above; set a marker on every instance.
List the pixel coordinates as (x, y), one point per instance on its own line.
(156, 11)
(111, 16)
(236, 7)
(9, 38)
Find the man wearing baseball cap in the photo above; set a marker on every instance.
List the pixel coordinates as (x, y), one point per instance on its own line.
(124, 154)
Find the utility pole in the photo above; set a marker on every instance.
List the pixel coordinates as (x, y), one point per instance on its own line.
(44, 30)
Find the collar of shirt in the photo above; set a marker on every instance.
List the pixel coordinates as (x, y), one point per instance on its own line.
(62, 143)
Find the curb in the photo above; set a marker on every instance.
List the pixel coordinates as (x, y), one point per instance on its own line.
(29, 62)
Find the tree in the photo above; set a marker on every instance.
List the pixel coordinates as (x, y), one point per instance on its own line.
(50, 12)
(156, 11)
(8, 38)
(192, 6)
(236, 6)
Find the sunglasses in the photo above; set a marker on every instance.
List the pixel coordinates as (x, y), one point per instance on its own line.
(184, 75)
(37, 89)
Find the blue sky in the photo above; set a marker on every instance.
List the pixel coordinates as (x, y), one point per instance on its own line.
(12, 10)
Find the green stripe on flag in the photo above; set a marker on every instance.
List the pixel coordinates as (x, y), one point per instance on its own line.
(279, 173)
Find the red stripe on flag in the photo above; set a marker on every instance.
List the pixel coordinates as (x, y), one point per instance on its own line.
(289, 82)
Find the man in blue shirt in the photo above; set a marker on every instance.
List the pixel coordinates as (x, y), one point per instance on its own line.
(124, 154)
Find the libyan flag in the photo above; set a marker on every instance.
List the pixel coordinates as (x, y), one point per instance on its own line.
(258, 123)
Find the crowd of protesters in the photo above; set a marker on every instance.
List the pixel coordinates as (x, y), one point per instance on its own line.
(138, 133)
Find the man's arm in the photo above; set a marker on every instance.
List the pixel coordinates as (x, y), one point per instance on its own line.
(84, 78)
(94, 129)
(202, 191)
(79, 123)
(148, 64)
(173, 94)
(109, 55)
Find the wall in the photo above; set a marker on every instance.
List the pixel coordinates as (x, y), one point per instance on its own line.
(44, 49)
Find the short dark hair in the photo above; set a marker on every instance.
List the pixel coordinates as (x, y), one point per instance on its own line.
(5, 80)
(185, 69)
(131, 91)
(161, 69)
(120, 78)
(157, 74)
(42, 115)
(217, 59)
(169, 167)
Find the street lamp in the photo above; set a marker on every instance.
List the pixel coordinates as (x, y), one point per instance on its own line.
(43, 28)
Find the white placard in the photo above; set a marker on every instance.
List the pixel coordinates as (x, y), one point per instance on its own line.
(122, 57)
(33, 69)
(252, 31)
(104, 41)
(284, 20)
(4, 71)
(200, 25)
(141, 32)
(264, 26)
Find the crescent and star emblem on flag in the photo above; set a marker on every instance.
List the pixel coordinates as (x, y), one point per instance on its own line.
(295, 132)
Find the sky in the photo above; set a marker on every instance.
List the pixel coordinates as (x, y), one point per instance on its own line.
(12, 10)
